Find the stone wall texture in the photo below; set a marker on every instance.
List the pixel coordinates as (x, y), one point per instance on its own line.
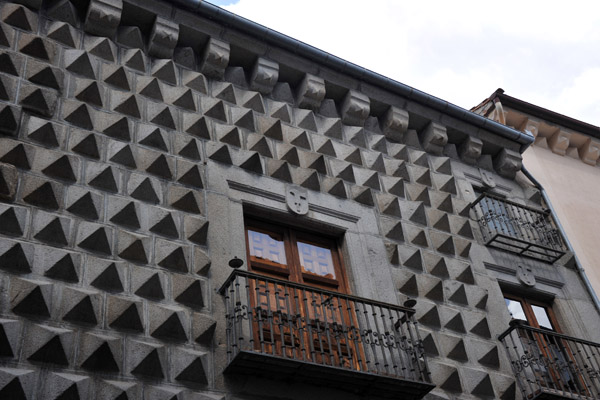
(121, 124)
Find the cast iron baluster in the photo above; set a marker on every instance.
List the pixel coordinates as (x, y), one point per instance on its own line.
(308, 324)
(345, 336)
(586, 361)
(421, 361)
(389, 340)
(570, 367)
(518, 363)
(324, 305)
(594, 365)
(415, 342)
(371, 338)
(259, 316)
(317, 322)
(290, 320)
(524, 224)
(250, 313)
(402, 344)
(339, 335)
(556, 381)
(270, 316)
(300, 323)
(237, 321)
(356, 333)
(530, 360)
(229, 321)
(279, 322)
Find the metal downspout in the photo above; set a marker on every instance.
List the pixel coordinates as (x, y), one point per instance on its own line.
(580, 269)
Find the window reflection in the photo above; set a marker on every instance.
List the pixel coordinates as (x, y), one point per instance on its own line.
(516, 309)
(266, 247)
(316, 260)
(541, 315)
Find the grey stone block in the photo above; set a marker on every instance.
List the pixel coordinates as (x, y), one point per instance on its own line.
(100, 353)
(11, 331)
(31, 297)
(19, 17)
(48, 345)
(111, 389)
(8, 182)
(49, 228)
(82, 307)
(146, 360)
(202, 262)
(58, 384)
(169, 323)
(148, 283)
(124, 314)
(38, 47)
(15, 382)
(134, 248)
(163, 392)
(203, 329)
(190, 367)
(84, 203)
(172, 256)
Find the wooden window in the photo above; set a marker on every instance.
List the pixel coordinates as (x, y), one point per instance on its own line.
(537, 314)
(306, 322)
(295, 255)
(552, 361)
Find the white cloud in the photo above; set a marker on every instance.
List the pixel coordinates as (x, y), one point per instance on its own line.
(458, 51)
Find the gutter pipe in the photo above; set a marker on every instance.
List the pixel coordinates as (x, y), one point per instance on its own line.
(580, 269)
(299, 48)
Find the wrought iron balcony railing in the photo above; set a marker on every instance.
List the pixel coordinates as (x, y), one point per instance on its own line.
(519, 229)
(549, 365)
(286, 330)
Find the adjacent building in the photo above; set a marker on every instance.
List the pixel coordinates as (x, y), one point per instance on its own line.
(564, 160)
(193, 206)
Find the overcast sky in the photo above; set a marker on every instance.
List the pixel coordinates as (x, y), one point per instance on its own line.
(546, 53)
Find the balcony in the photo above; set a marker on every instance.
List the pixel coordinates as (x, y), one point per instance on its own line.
(289, 331)
(519, 229)
(549, 365)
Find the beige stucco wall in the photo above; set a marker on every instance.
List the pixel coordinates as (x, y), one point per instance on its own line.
(574, 190)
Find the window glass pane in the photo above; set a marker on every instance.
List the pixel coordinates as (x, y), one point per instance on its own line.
(516, 309)
(316, 260)
(542, 316)
(267, 247)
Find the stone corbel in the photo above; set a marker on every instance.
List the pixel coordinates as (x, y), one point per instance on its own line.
(310, 92)
(395, 123)
(163, 38)
(103, 17)
(215, 58)
(470, 149)
(589, 152)
(433, 138)
(355, 108)
(559, 142)
(507, 163)
(264, 75)
(531, 126)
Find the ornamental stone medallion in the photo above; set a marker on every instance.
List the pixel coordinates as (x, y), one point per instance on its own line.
(525, 276)
(297, 200)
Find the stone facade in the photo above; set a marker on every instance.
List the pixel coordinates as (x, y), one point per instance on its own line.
(135, 137)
